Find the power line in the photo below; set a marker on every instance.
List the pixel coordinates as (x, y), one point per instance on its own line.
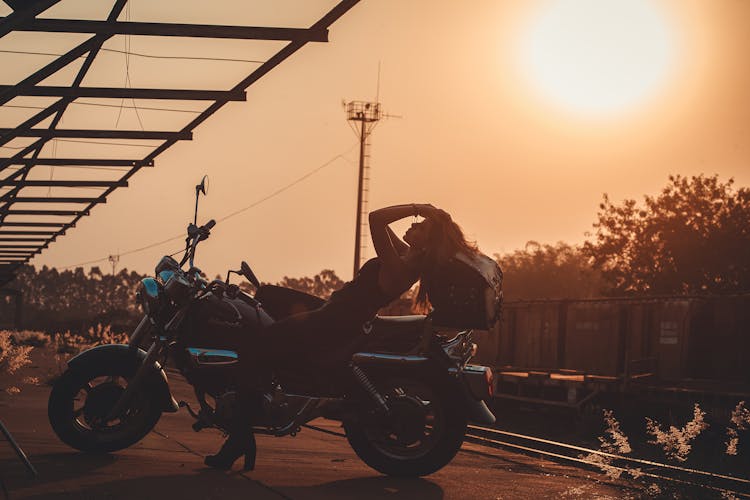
(149, 108)
(108, 143)
(137, 54)
(232, 214)
(291, 184)
(89, 142)
(191, 58)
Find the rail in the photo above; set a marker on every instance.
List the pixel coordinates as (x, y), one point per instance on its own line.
(495, 438)
(687, 476)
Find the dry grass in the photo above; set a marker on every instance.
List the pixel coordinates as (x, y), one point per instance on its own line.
(15, 347)
(740, 421)
(12, 358)
(677, 443)
(71, 343)
(613, 441)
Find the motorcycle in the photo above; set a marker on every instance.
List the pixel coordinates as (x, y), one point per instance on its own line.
(403, 390)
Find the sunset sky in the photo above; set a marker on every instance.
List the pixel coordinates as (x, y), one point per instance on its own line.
(515, 117)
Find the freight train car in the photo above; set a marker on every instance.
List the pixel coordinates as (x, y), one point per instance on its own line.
(567, 352)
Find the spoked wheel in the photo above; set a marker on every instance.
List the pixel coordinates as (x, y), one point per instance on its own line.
(80, 402)
(422, 434)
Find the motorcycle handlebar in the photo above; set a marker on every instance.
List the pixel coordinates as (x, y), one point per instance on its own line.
(195, 234)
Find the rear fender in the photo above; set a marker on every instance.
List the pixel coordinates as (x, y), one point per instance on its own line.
(127, 360)
(476, 386)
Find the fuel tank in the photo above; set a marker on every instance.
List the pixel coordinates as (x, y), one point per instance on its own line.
(222, 322)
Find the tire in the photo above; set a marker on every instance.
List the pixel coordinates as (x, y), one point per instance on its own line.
(77, 427)
(407, 454)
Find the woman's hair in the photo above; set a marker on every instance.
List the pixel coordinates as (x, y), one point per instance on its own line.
(445, 239)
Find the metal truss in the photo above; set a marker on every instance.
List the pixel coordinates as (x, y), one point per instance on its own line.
(21, 240)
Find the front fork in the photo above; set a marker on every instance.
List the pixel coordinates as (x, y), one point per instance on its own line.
(140, 332)
(144, 370)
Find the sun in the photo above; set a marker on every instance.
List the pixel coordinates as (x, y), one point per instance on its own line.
(598, 57)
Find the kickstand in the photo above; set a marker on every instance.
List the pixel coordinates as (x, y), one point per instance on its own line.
(21, 455)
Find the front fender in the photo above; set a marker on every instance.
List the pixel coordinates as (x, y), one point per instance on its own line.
(127, 359)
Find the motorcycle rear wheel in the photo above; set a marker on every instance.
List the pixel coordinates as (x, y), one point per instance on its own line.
(79, 401)
(423, 435)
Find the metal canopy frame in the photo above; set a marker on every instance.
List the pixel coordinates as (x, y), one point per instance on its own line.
(20, 241)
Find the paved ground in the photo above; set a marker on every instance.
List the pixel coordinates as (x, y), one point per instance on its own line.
(168, 464)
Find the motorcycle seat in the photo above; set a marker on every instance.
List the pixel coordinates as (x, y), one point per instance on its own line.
(398, 325)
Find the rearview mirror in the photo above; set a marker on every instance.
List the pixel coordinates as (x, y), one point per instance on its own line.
(248, 274)
(203, 186)
(200, 188)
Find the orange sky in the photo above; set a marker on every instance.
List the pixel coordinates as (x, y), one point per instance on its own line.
(475, 137)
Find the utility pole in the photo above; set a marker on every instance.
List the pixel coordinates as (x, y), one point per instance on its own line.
(364, 115)
(114, 259)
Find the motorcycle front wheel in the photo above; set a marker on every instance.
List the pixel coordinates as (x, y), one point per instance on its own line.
(422, 434)
(81, 399)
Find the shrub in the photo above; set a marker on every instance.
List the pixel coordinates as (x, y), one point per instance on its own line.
(12, 357)
(72, 343)
(740, 421)
(675, 442)
(613, 441)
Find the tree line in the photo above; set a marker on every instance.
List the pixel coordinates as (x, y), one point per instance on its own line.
(691, 238)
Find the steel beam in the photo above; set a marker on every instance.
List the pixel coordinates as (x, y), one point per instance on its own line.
(57, 107)
(124, 93)
(26, 240)
(34, 224)
(30, 233)
(174, 29)
(8, 92)
(44, 212)
(20, 17)
(101, 184)
(323, 23)
(97, 134)
(76, 162)
(31, 199)
(89, 48)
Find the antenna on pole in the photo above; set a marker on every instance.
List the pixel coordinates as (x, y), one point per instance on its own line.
(377, 91)
(364, 115)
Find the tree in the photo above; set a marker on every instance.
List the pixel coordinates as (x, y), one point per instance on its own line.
(321, 285)
(548, 271)
(691, 238)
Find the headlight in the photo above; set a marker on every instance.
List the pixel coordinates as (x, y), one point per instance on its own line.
(177, 288)
(166, 263)
(148, 295)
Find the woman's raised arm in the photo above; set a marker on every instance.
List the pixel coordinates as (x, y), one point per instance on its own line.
(389, 251)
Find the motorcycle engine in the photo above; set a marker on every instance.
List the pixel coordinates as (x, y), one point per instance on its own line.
(276, 407)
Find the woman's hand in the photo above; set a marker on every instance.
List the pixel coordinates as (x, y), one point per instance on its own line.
(425, 210)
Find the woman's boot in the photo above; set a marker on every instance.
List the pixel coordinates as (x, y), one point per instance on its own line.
(241, 440)
(236, 445)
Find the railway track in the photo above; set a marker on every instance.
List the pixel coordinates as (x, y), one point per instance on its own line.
(586, 457)
(581, 456)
